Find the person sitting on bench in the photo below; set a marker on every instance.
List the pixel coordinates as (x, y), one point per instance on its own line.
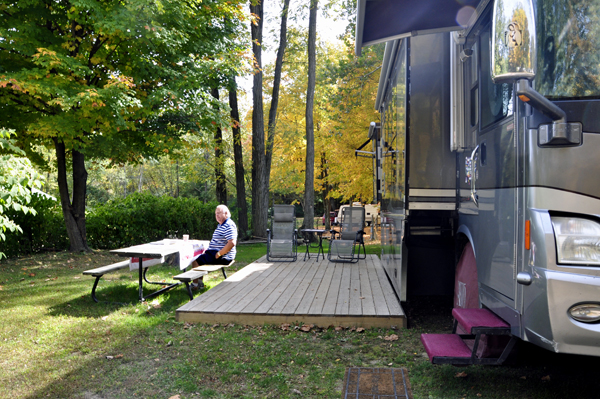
(221, 250)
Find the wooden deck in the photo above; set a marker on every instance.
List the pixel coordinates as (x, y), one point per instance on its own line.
(320, 293)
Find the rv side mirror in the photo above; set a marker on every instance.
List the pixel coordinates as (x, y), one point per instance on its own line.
(513, 41)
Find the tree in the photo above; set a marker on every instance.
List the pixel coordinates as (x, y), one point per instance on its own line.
(275, 95)
(110, 79)
(260, 199)
(240, 183)
(221, 184)
(309, 176)
(17, 180)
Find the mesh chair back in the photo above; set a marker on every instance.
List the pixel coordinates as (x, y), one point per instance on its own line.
(282, 243)
(344, 248)
(353, 221)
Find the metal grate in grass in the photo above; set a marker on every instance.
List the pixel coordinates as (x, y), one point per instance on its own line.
(376, 383)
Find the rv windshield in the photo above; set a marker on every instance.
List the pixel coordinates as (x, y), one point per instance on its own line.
(568, 58)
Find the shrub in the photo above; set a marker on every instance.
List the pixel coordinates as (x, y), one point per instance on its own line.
(118, 223)
(141, 218)
(42, 231)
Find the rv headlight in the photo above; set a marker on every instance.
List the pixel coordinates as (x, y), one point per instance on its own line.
(585, 312)
(577, 240)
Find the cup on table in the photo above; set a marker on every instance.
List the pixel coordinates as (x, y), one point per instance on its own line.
(186, 237)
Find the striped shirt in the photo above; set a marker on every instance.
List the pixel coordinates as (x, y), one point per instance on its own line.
(225, 232)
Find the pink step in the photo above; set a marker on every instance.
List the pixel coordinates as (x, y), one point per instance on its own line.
(444, 345)
(472, 318)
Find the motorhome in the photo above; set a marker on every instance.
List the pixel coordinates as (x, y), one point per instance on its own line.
(486, 156)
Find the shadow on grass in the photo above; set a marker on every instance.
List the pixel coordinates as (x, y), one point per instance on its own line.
(117, 296)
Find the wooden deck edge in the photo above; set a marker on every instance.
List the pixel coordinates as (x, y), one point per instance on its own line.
(319, 321)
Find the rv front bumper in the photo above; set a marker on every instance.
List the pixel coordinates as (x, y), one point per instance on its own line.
(563, 291)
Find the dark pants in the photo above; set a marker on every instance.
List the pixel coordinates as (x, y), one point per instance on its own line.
(208, 258)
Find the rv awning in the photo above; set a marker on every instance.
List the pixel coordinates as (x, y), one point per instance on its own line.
(383, 20)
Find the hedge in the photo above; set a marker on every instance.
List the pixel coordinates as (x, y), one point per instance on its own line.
(118, 223)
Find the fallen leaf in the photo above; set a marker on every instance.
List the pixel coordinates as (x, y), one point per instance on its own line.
(285, 327)
(389, 364)
(175, 397)
(109, 357)
(360, 329)
(296, 391)
(462, 374)
(392, 337)
(523, 378)
(306, 327)
(338, 328)
(76, 277)
(118, 356)
(546, 378)
(31, 274)
(104, 317)
(361, 297)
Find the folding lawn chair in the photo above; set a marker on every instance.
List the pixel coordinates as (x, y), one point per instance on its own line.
(343, 244)
(282, 240)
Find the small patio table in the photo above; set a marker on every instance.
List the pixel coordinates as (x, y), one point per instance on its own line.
(307, 235)
(175, 252)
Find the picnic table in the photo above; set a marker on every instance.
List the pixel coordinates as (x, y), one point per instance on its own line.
(175, 252)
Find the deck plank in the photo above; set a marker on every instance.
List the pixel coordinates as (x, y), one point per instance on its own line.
(311, 296)
(333, 291)
(272, 292)
(251, 296)
(302, 287)
(389, 295)
(343, 300)
(368, 305)
(381, 308)
(291, 291)
(240, 291)
(317, 304)
(356, 295)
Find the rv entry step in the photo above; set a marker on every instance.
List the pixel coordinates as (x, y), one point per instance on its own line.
(452, 348)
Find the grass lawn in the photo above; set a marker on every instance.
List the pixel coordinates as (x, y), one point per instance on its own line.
(57, 343)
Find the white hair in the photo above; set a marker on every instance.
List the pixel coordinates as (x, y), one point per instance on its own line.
(224, 210)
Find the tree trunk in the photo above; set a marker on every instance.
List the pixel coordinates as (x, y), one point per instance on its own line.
(309, 178)
(221, 183)
(73, 214)
(326, 199)
(275, 96)
(238, 158)
(260, 199)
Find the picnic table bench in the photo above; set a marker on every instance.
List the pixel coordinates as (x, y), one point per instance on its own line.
(212, 268)
(101, 271)
(188, 277)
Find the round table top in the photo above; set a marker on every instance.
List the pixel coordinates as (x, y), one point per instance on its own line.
(318, 231)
